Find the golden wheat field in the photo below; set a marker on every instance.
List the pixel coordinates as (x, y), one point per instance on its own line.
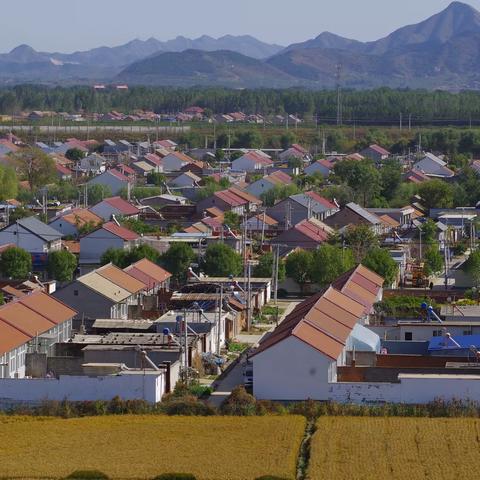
(395, 448)
(140, 447)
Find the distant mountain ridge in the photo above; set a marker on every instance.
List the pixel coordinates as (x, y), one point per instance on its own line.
(442, 52)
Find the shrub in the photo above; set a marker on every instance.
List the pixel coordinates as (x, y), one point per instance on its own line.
(87, 475)
(239, 403)
(175, 476)
(188, 405)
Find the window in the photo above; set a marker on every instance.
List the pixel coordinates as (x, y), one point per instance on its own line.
(437, 333)
(75, 293)
(408, 336)
(467, 332)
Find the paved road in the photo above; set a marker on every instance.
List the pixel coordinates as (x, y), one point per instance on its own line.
(235, 376)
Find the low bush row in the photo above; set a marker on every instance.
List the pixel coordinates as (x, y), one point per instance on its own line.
(240, 403)
(96, 475)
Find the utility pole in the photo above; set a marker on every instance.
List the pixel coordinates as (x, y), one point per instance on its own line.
(409, 122)
(219, 325)
(401, 118)
(249, 298)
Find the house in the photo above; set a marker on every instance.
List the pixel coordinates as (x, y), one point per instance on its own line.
(34, 320)
(307, 234)
(106, 292)
(174, 161)
(252, 161)
(186, 180)
(33, 236)
(155, 161)
(110, 235)
(152, 275)
(302, 206)
(228, 200)
(262, 224)
(353, 214)
(113, 179)
(402, 216)
(168, 144)
(197, 167)
(300, 358)
(322, 167)
(142, 168)
(416, 176)
(115, 206)
(268, 182)
(71, 223)
(376, 153)
(93, 164)
(433, 166)
(129, 172)
(63, 173)
(295, 152)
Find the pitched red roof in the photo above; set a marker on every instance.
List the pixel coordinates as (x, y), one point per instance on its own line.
(321, 200)
(120, 232)
(122, 205)
(62, 169)
(313, 231)
(230, 198)
(281, 177)
(118, 174)
(379, 149)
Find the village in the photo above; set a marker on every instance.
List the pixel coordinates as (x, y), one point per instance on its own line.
(128, 267)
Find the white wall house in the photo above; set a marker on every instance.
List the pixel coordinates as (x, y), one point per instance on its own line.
(112, 179)
(32, 235)
(114, 206)
(109, 235)
(35, 320)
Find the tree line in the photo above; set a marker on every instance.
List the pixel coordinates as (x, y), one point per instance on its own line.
(378, 104)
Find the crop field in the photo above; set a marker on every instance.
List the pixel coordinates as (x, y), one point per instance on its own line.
(142, 447)
(395, 448)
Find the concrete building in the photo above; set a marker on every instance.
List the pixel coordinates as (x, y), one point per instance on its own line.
(31, 322)
(72, 222)
(109, 235)
(106, 292)
(115, 206)
(299, 359)
(33, 236)
(113, 179)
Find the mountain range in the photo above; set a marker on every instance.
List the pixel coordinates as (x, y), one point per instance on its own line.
(442, 52)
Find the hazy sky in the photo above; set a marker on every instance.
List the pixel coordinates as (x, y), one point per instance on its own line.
(68, 25)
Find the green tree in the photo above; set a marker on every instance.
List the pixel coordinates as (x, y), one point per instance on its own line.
(8, 183)
(433, 260)
(360, 239)
(390, 178)
(429, 231)
(298, 266)
(380, 261)
(97, 192)
(472, 267)
(264, 269)
(15, 263)
(436, 194)
(231, 219)
(329, 262)
(220, 261)
(74, 154)
(117, 256)
(156, 178)
(35, 166)
(142, 251)
(61, 265)
(177, 260)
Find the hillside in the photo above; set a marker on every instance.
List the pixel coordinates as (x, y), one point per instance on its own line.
(195, 67)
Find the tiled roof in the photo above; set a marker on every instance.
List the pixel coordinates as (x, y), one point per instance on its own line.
(379, 149)
(117, 174)
(245, 195)
(104, 287)
(280, 177)
(120, 232)
(230, 198)
(148, 272)
(30, 315)
(121, 278)
(325, 320)
(315, 230)
(122, 205)
(81, 216)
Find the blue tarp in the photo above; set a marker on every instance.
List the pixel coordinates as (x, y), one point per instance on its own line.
(443, 343)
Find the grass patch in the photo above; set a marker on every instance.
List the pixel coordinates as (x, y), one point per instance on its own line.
(145, 446)
(399, 448)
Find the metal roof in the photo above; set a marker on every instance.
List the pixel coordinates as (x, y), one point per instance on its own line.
(40, 229)
(370, 217)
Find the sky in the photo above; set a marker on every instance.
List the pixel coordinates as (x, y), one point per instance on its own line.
(69, 25)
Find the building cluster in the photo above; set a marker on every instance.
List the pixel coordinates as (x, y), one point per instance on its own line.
(134, 332)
